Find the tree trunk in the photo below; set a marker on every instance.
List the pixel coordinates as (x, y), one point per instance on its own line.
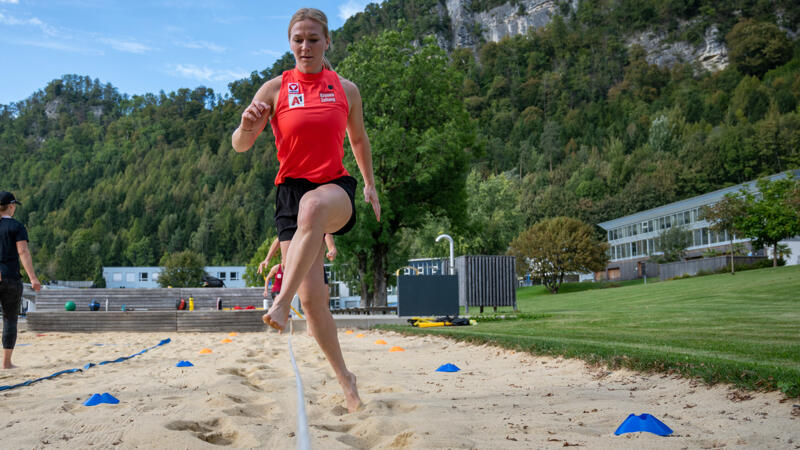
(551, 283)
(379, 274)
(366, 297)
(775, 255)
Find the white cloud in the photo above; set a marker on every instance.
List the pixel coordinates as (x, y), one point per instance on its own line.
(60, 46)
(13, 21)
(351, 8)
(126, 46)
(206, 74)
(267, 52)
(13, 2)
(200, 45)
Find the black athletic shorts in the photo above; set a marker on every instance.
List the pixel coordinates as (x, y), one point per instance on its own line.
(287, 203)
(10, 297)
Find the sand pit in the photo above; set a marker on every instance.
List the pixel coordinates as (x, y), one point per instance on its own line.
(242, 395)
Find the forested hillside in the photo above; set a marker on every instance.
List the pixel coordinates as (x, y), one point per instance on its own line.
(572, 121)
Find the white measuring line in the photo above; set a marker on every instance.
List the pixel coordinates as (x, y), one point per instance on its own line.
(303, 439)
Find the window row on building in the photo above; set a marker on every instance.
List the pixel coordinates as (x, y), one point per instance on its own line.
(662, 223)
(224, 276)
(132, 277)
(147, 276)
(647, 247)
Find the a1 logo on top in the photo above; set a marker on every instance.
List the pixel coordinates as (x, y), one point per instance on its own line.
(295, 96)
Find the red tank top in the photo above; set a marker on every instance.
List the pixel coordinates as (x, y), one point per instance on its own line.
(309, 125)
(276, 285)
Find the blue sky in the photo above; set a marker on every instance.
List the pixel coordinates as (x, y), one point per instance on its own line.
(144, 46)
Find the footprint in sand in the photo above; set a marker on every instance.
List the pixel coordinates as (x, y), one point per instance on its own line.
(245, 379)
(387, 406)
(352, 441)
(235, 399)
(339, 410)
(210, 431)
(336, 428)
(344, 437)
(402, 440)
(67, 407)
(248, 360)
(252, 410)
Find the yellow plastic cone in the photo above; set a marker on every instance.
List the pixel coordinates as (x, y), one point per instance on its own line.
(348, 332)
(233, 334)
(205, 351)
(397, 349)
(380, 342)
(359, 335)
(226, 340)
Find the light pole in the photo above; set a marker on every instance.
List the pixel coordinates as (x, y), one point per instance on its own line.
(452, 262)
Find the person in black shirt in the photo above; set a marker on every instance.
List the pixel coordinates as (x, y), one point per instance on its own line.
(13, 248)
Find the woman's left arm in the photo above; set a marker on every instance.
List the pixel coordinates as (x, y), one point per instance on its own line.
(359, 141)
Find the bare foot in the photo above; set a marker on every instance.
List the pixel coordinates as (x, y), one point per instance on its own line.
(9, 366)
(351, 393)
(277, 316)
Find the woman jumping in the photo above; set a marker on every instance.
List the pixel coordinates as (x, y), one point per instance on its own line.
(310, 107)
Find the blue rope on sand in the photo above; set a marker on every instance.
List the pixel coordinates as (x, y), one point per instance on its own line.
(87, 366)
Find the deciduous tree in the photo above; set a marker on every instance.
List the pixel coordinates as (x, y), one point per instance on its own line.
(421, 138)
(555, 247)
(769, 213)
(755, 47)
(673, 244)
(182, 269)
(723, 216)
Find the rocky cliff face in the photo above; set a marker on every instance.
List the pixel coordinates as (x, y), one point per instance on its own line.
(505, 20)
(469, 28)
(711, 54)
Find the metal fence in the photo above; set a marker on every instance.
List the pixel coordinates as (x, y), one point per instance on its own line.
(486, 281)
(692, 267)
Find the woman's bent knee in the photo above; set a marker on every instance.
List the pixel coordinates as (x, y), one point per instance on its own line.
(310, 212)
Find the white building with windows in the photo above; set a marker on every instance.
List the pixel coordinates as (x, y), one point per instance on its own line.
(147, 277)
(633, 239)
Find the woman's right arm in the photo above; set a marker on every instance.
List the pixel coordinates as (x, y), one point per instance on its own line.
(256, 115)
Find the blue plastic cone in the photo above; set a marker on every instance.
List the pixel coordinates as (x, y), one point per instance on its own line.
(108, 398)
(96, 399)
(184, 364)
(643, 422)
(448, 368)
(93, 400)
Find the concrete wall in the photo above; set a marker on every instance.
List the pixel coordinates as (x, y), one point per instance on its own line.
(672, 270)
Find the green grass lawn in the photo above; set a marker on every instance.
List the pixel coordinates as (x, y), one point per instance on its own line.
(742, 329)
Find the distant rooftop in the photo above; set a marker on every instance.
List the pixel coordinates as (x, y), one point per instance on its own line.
(689, 203)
